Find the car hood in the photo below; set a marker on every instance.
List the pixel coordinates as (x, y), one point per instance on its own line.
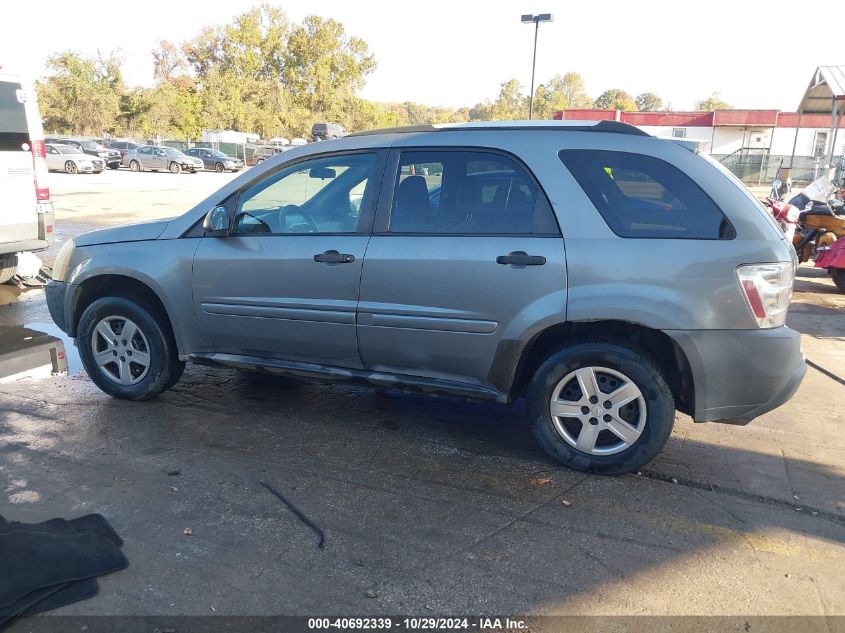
(128, 233)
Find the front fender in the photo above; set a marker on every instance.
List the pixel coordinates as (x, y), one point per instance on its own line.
(163, 266)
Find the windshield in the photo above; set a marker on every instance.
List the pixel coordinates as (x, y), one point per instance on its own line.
(218, 153)
(91, 145)
(173, 152)
(68, 149)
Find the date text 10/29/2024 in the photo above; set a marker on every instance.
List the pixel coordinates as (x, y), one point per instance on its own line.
(418, 624)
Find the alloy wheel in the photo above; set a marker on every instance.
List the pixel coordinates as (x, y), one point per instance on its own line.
(598, 411)
(120, 350)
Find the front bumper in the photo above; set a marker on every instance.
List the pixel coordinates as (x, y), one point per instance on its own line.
(741, 374)
(56, 292)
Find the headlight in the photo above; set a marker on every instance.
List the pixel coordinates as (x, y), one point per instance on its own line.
(62, 260)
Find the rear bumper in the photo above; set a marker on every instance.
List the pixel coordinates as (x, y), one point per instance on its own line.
(741, 374)
(32, 246)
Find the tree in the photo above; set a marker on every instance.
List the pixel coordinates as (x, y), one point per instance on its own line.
(560, 93)
(81, 95)
(323, 66)
(616, 99)
(649, 102)
(510, 104)
(169, 61)
(713, 102)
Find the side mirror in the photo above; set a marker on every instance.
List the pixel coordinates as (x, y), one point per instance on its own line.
(216, 222)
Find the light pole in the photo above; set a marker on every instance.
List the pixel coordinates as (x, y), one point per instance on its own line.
(536, 19)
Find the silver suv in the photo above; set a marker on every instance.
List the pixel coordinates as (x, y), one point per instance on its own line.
(607, 276)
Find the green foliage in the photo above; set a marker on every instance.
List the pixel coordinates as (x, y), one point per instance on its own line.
(649, 102)
(510, 104)
(713, 102)
(616, 99)
(560, 93)
(81, 95)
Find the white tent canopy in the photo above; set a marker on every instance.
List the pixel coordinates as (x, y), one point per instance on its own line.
(824, 95)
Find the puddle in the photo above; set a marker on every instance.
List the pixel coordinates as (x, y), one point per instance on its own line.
(36, 350)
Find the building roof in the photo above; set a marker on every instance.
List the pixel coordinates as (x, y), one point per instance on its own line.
(826, 91)
(717, 118)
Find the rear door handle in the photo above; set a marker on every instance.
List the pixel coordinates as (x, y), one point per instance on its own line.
(521, 258)
(333, 257)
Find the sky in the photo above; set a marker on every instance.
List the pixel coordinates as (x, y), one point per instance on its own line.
(758, 54)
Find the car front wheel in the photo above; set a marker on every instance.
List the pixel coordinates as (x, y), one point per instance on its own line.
(601, 407)
(175, 168)
(127, 350)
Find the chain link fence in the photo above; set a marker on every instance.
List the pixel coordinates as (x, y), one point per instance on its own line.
(760, 169)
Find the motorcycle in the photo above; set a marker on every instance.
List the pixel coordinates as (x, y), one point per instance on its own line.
(814, 218)
(833, 259)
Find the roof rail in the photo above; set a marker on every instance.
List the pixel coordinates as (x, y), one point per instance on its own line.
(615, 127)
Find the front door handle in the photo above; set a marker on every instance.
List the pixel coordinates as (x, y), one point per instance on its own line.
(333, 257)
(521, 258)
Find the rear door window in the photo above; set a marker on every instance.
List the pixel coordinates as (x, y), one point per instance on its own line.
(449, 192)
(645, 197)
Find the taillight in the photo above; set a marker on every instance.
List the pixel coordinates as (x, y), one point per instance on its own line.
(39, 162)
(768, 290)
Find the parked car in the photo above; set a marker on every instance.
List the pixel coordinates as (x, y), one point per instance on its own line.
(26, 211)
(216, 160)
(617, 278)
(326, 131)
(124, 147)
(156, 158)
(263, 152)
(93, 148)
(72, 160)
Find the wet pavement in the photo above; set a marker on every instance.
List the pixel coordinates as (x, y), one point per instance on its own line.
(430, 506)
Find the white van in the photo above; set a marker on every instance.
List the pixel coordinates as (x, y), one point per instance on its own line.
(26, 212)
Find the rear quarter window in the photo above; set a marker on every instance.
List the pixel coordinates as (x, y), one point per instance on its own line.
(12, 109)
(642, 196)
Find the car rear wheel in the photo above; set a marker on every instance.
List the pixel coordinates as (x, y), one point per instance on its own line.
(8, 266)
(127, 349)
(175, 168)
(134, 165)
(70, 167)
(219, 168)
(601, 407)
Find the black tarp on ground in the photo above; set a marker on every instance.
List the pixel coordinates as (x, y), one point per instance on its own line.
(50, 564)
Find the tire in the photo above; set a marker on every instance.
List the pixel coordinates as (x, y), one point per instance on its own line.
(70, 167)
(134, 165)
(8, 266)
(613, 365)
(219, 168)
(175, 168)
(838, 275)
(123, 378)
(258, 161)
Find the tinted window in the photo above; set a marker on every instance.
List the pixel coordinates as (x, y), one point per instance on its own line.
(464, 192)
(12, 111)
(321, 195)
(642, 196)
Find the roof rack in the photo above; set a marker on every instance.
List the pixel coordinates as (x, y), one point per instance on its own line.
(615, 127)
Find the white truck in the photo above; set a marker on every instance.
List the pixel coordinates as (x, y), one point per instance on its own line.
(26, 212)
